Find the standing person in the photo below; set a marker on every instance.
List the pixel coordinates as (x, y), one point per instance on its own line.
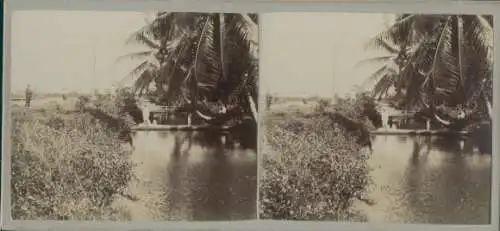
(28, 96)
(269, 101)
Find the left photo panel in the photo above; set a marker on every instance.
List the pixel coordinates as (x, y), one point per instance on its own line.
(133, 116)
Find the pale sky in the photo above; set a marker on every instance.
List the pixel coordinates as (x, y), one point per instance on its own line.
(54, 50)
(313, 54)
(302, 53)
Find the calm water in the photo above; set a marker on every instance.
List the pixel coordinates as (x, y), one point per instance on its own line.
(428, 180)
(192, 176)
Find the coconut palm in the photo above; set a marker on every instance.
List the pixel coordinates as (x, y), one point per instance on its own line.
(448, 63)
(194, 56)
(396, 43)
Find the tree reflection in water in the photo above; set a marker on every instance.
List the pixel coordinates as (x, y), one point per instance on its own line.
(426, 179)
(176, 173)
(205, 177)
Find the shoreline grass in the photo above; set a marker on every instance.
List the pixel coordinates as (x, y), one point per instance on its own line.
(66, 165)
(309, 172)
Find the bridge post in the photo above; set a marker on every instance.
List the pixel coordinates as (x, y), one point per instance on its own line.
(189, 118)
(428, 125)
(145, 114)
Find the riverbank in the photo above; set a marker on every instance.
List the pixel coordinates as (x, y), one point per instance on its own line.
(311, 168)
(66, 164)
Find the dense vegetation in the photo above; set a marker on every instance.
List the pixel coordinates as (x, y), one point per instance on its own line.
(439, 65)
(67, 161)
(314, 163)
(195, 59)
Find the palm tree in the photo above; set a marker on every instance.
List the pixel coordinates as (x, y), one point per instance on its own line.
(199, 55)
(440, 62)
(395, 42)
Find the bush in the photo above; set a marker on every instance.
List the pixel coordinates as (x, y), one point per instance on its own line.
(127, 106)
(66, 167)
(309, 172)
(362, 108)
(82, 102)
(322, 105)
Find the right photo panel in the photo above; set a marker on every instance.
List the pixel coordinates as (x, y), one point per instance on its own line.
(376, 118)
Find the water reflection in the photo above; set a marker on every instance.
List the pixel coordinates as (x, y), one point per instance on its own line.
(193, 176)
(419, 179)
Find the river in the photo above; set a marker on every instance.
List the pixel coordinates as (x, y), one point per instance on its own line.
(191, 176)
(428, 180)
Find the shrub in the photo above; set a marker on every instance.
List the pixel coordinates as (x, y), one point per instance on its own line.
(309, 172)
(322, 106)
(126, 104)
(362, 108)
(66, 167)
(82, 102)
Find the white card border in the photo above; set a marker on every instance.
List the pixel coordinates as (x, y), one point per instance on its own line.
(263, 7)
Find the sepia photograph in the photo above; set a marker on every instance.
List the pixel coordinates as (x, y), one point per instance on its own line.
(133, 116)
(383, 118)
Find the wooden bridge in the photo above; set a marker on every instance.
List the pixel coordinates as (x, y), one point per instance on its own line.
(164, 113)
(167, 127)
(418, 132)
(153, 113)
(398, 119)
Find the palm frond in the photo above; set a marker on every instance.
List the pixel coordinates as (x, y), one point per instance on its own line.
(207, 60)
(143, 82)
(177, 67)
(477, 53)
(143, 39)
(192, 48)
(381, 42)
(376, 60)
(240, 49)
(443, 59)
(141, 68)
(136, 55)
(249, 23)
(445, 66)
(373, 78)
(383, 85)
(391, 39)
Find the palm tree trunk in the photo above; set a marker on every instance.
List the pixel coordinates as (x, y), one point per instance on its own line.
(489, 108)
(193, 74)
(222, 37)
(193, 90)
(460, 52)
(253, 107)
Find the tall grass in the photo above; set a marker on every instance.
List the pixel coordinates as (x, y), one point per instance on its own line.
(66, 165)
(312, 168)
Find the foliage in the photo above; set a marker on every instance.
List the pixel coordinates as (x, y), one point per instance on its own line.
(323, 104)
(436, 61)
(122, 105)
(67, 165)
(362, 108)
(312, 168)
(192, 56)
